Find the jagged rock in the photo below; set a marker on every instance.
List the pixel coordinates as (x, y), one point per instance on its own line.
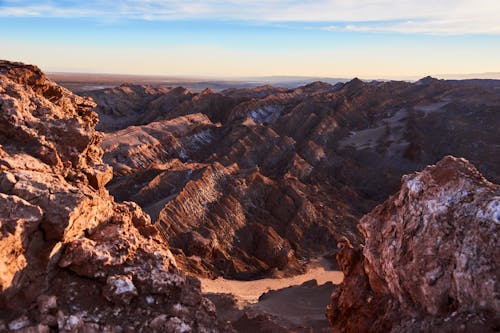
(139, 147)
(129, 105)
(19, 222)
(19, 323)
(209, 219)
(54, 125)
(303, 163)
(119, 289)
(99, 176)
(46, 303)
(430, 260)
(71, 259)
(241, 183)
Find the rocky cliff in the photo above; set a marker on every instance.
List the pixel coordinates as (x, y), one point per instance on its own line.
(71, 259)
(430, 260)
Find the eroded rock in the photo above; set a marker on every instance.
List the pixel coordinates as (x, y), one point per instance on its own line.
(71, 259)
(430, 260)
(304, 163)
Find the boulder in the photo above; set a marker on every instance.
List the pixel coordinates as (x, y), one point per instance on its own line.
(430, 259)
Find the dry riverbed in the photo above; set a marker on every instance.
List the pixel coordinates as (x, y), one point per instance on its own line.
(248, 292)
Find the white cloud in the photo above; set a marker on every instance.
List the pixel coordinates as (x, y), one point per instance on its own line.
(433, 27)
(403, 16)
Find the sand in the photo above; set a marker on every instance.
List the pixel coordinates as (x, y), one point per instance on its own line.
(248, 292)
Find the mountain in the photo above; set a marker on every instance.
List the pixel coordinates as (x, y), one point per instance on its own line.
(251, 182)
(108, 231)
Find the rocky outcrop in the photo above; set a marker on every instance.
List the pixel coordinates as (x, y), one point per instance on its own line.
(211, 226)
(430, 261)
(71, 259)
(124, 105)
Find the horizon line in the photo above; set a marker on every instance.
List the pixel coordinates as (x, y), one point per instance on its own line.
(490, 75)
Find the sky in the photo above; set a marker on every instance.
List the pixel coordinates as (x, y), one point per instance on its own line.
(213, 38)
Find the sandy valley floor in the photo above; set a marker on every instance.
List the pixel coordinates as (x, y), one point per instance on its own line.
(250, 291)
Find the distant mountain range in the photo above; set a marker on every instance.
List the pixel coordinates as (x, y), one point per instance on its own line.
(91, 81)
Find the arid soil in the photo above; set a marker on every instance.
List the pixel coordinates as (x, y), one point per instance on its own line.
(249, 292)
(290, 304)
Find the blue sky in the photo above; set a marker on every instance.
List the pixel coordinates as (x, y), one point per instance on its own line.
(336, 38)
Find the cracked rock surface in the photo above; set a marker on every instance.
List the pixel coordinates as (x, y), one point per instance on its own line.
(430, 260)
(72, 259)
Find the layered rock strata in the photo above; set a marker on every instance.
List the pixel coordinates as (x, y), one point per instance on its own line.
(254, 182)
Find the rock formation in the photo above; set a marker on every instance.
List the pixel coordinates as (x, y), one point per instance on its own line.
(248, 182)
(430, 260)
(131, 104)
(244, 183)
(71, 259)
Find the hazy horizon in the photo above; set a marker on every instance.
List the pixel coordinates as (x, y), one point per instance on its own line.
(234, 39)
(113, 76)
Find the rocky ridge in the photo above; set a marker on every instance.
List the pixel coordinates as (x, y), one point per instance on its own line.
(302, 165)
(72, 259)
(430, 259)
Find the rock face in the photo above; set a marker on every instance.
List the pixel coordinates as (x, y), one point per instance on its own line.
(247, 182)
(430, 260)
(71, 259)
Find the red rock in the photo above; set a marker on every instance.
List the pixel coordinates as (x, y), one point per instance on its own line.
(46, 303)
(306, 163)
(241, 183)
(430, 259)
(119, 289)
(19, 222)
(61, 233)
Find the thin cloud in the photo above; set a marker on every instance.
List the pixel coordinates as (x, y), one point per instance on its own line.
(403, 16)
(432, 27)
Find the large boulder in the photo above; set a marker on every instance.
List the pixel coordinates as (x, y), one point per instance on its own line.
(431, 258)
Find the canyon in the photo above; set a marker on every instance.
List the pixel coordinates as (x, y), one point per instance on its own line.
(115, 203)
(247, 183)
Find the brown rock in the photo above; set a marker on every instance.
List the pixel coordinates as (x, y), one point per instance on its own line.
(18, 222)
(40, 328)
(19, 323)
(306, 162)
(99, 176)
(119, 289)
(430, 260)
(46, 303)
(61, 233)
